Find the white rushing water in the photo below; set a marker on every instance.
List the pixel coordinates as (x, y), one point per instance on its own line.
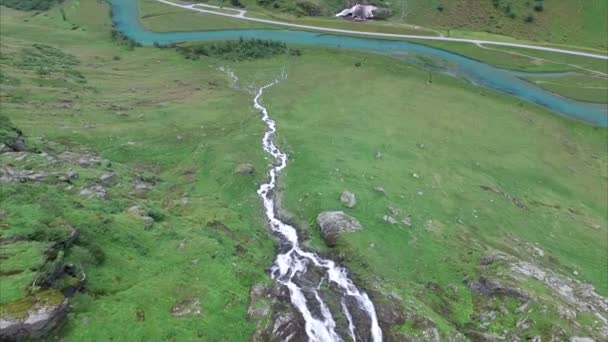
(293, 261)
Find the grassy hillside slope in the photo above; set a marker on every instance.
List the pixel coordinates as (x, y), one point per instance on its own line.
(568, 22)
(169, 134)
(479, 184)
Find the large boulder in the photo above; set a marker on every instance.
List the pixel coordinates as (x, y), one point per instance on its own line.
(43, 315)
(334, 223)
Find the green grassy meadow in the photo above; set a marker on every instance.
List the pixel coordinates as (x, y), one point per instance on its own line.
(164, 18)
(564, 22)
(154, 115)
(334, 137)
(349, 121)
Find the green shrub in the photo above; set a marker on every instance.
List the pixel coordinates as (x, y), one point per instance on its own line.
(310, 8)
(235, 50)
(382, 13)
(9, 134)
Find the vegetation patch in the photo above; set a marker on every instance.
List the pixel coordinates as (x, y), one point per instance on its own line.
(238, 50)
(30, 5)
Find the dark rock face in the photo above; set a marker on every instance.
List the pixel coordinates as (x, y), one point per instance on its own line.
(273, 302)
(493, 288)
(38, 322)
(334, 223)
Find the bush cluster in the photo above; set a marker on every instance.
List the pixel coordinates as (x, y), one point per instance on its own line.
(121, 39)
(235, 50)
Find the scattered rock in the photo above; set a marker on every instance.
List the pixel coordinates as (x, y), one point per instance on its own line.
(245, 169)
(2, 214)
(334, 223)
(407, 221)
(94, 191)
(389, 219)
(581, 339)
(9, 174)
(348, 199)
(579, 295)
(187, 308)
(107, 178)
(69, 176)
(142, 214)
(83, 159)
(378, 155)
(140, 187)
(490, 259)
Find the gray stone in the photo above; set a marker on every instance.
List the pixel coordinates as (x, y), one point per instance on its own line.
(107, 178)
(245, 169)
(380, 190)
(69, 176)
(38, 322)
(94, 191)
(9, 174)
(348, 199)
(334, 223)
(188, 307)
(389, 219)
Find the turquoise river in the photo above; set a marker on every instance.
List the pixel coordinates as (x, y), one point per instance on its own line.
(126, 20)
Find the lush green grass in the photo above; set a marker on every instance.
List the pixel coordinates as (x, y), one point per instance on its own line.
(522, 59)
(509, 58)
(178, 123)
(333, 125)
(565, 22)
(153, 114)
(581, 23)
(160, 17)
(583, 88)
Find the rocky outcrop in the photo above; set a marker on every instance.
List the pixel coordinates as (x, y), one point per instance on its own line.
(9, 174)
(38, 321)
(358, 12)
(348, 199)
(493, 288)
(334, 223)
(83, 159)
(276, 319)
(187, 308)
(245, 169)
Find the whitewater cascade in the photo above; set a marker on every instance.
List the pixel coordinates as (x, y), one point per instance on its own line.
(292, 262)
